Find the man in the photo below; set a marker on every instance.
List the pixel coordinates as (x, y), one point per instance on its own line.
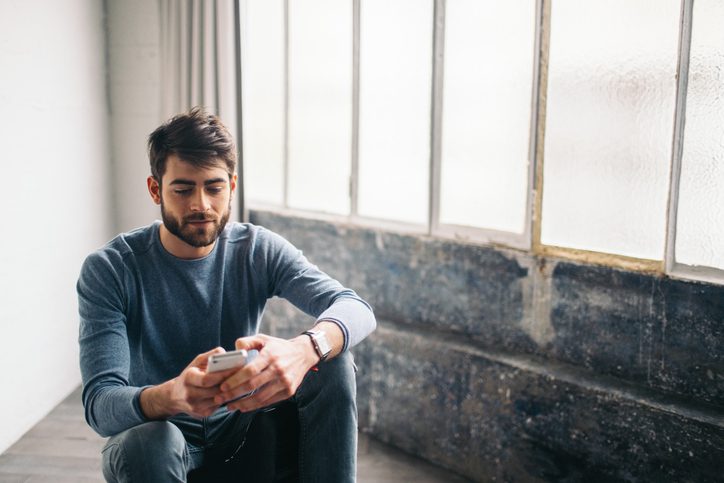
(156, 302)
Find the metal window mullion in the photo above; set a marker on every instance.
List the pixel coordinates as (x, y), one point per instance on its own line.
(438, 53)
(354, 170)
(285, 199)
(542, 57)
(701, 273)
(678, 135)
(531, 214)
(470, 234)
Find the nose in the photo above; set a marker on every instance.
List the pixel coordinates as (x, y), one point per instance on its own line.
(200, 202)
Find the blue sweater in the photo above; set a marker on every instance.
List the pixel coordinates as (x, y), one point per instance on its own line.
(145, 314)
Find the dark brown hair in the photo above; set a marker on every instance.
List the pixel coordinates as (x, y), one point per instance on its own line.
(197, 137)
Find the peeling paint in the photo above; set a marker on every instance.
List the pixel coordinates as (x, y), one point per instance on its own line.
(536, 321)
(379, 241)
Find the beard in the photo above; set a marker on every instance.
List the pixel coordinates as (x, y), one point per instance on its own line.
(197, 237)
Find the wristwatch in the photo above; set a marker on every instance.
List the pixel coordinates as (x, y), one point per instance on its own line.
(320, 343)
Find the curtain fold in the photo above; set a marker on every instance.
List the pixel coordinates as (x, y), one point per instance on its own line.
(199, 64)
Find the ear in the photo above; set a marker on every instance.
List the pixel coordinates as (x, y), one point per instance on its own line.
(154, 189)
(233, 184)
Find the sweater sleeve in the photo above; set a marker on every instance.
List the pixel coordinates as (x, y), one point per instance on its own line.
(291, 276)
(111, 404)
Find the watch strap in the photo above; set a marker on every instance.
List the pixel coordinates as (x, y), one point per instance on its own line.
(319, 341)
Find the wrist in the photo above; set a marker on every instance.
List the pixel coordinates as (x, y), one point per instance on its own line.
(155, 402)
(311, 358)
(320, 343)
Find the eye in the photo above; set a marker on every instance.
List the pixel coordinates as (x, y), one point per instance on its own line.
(215, 190)
(182, 192)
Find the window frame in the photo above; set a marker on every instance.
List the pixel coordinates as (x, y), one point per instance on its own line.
(672, 267)
(530, 240)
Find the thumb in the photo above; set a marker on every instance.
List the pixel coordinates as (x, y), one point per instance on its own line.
(202, 359)
(254, 342)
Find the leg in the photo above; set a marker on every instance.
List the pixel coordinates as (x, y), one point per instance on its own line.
(327, 406)
(266, 453)
(150, 452)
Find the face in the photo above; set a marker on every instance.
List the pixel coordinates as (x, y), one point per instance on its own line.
(195, 203)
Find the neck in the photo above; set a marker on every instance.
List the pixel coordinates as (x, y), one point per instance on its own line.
(180, 249)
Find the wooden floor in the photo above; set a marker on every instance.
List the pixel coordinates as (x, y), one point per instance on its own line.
(63, 449)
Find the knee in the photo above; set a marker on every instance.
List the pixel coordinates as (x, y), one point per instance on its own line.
(154, 439)
(337, 377)
(150, 449)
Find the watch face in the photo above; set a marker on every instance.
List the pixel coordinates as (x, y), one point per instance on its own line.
(321, 345)
(324, 347)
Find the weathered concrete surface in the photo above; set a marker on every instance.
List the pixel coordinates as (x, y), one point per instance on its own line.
(663, 333)
(657, 343)
(658, 332)
(498, 419)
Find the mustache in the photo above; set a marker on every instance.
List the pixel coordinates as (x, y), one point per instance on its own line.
(199, 217)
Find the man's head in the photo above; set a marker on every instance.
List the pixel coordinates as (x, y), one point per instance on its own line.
(192, 164)
(197, 137)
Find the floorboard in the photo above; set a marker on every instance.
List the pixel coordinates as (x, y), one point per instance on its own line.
(63, 449)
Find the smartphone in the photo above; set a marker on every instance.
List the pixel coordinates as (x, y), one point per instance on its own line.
(227, 360)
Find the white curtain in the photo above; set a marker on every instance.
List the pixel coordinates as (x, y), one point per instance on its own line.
(199, 64)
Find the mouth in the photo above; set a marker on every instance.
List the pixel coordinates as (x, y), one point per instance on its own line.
(199, 222)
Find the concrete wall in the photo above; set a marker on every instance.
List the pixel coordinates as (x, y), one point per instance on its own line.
(508, 367)
(55, 197)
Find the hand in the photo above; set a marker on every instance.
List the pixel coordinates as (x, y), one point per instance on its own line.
(192, 392)
(276, 373)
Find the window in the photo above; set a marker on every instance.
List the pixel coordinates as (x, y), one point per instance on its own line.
(395, 70)
(320, 105)
(579, 128)
(609, 125)
(489, 56)
(263, 100)
(700, 207)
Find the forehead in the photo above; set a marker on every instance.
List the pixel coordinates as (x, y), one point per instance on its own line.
(176, 168)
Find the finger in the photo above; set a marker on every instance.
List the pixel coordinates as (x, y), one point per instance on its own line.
(252, 342)
(204, 409)
(247, 387)
(249, 371)
(202, 359)
(209, 379)
(197, 377)
(202, 393)
(229, 399)
(266, 396)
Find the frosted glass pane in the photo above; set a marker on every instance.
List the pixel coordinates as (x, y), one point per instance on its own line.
(395, 90)
(700, 220)
(489, 55)
(262, 27)
(610, 111)
(320, 104)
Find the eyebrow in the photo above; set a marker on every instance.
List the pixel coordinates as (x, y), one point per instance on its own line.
(188, 182)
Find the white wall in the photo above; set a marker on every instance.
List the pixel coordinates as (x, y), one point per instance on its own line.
(54, 195)
(134, 80)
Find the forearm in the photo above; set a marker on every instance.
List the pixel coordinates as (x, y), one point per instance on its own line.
(156, 403)
(353, 318)
(335, 337)
(112, 409)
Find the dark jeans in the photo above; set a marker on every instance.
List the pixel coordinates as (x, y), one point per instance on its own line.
(223, 445)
